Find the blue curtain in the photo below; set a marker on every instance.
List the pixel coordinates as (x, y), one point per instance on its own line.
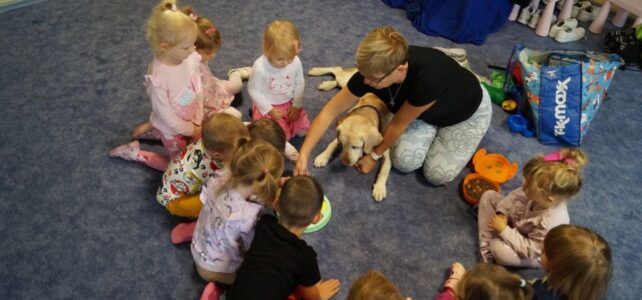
(462, 21)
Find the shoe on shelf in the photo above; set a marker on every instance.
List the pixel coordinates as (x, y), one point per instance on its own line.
(588, 14)
(572, 23)
(535, 20)
(526, 15)
(568, 34)
(532, 23)
(577, 7)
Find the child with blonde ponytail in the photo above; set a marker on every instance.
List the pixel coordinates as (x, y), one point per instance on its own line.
(225, 226)
(512, 228)
(173, 84)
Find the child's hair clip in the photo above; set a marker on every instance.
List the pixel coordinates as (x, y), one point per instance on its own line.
(210, 30)
(522, 283)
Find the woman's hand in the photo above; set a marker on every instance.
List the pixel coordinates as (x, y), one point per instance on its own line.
(293, 113)
(498, 222)
(365, 164)
(301, 166)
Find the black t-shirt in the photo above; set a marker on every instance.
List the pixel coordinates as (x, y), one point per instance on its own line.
(541, 291)
(432, 76)
(276, 263)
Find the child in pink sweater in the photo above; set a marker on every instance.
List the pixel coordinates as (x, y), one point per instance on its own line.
(173, 83)
(512, 228)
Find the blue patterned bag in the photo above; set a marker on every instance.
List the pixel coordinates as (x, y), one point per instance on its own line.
(565, 90)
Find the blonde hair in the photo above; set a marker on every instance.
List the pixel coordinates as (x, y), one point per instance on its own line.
(374, 286)
(300, 201)
(259, 165)
(281, 37)
(579, 262)
(269, 131)
(560, 179)
(491, 282)
(223, 133)
(382, 50)
(209, 37)
(168, 25)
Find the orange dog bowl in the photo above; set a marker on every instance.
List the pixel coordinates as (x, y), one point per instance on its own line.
(495, 167)
(491, 171)
(481, 184)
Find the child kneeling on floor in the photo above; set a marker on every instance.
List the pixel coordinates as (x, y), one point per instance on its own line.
(188, 171)
(279, 262)
(225, 226)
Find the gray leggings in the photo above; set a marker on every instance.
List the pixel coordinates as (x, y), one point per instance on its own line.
(444, 151)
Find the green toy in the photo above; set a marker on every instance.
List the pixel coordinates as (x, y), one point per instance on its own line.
(497, 95)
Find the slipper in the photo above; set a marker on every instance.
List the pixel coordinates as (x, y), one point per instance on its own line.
(244, 72)
(457, 271)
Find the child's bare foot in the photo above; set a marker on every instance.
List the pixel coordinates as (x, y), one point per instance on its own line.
(145, 131)
(457, 271)
(328, 288)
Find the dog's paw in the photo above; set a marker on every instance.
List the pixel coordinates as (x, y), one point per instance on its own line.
(379, 192)
(317, 71)
(321, 161)
(327, 85)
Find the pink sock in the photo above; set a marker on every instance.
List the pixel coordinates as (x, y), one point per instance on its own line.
(153, 160)
(211, 292)
(183, 233)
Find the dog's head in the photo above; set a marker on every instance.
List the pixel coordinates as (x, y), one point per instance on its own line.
(357, 135)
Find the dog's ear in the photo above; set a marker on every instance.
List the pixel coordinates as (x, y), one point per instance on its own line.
(372, 139)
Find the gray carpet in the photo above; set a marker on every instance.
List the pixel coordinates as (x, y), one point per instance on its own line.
(76, 224)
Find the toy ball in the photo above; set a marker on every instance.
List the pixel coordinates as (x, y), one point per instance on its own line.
(509, 106)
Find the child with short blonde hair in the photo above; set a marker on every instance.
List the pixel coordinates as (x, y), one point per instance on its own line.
(374, 286)
(512, 228)
(225, 226)
(577, 262)
(218, 95)
(173, 83)
(279, 261)
(188, 171)
(276, 85)
(484, 282)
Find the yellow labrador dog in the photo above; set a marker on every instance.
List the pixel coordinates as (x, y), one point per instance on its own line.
(359, 132)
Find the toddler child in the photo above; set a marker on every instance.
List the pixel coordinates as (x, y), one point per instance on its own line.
(225, 226)
(173, 83)
(484, 282)
(276, 84)
(577, 263)
(279, 261)
(269, 131)
(218, 95)
(265, 130)
(205, 158)
(512, 228)
(374, 286)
